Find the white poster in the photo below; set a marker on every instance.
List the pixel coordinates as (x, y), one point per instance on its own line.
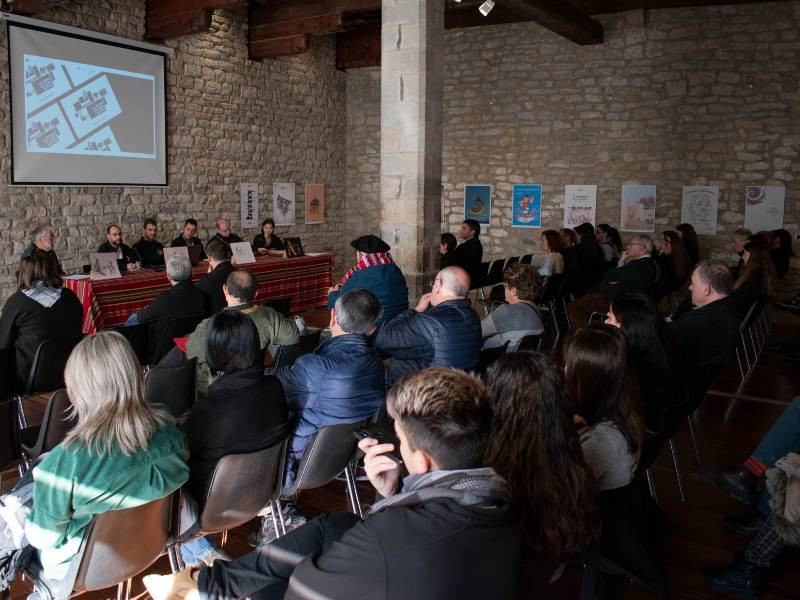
(763, 207)
(242, 253)
(104, 265)
(248, 195)
(580, 204)
(283, 203)
(699, 208)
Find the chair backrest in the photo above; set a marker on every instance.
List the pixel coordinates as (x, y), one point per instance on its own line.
(8, 371)
(553, 286)
(495, 275)
(751, 315)
(286, 355)
(480, 280)
(177, 327)
(138, 337)
(526, 259)
(241, 485)
(282, 305)
(327, 454)
(56, 424)
(489, 355)
(174, 386)
(9, 433)
(120, 544)
(309, 342)
(529, 343)
(512, 260)
(47, 370)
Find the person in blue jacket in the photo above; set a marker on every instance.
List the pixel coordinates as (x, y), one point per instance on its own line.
(375, 271)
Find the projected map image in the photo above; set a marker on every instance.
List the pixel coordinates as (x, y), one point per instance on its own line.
(48, 131)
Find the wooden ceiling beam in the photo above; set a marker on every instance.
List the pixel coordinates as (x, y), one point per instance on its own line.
(167, 19)
(331, 23)
(288, 10)
(284, 46)
(560, 17)
(596, 7)
(31, 7)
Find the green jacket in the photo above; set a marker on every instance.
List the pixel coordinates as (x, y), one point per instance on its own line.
(273, 330)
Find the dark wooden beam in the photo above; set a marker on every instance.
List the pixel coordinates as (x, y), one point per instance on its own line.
(31, 7)
(560, 17)
(595, 7)
(287, 10)
(331, 23)
(470, 17)
(166, 7)
(359, 47)
(284, 46)
(174, 18)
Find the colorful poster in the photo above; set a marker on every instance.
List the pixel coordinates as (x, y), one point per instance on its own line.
(699, 207)
(248, 198)
(580, 204)
(638, 209)
(283, 203)
(478, 202)
(104, 265)
(315, 203)
(763, 207)
(526, 208)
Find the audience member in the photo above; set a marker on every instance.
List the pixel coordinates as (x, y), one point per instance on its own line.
(447, 246)
(757, 279)
(533, 446)
(550, 244)
(782, 251)
(446, 531)
(122, 453)
(267, 242)
(689, 237)
(273, 328)
(40, 310)
(469, 254)
(590, 258)
(739, 238)
(149, 249)
(610, 243)
(605, 398)
(224, 233)
(637, 272)
(441, 331)
(569, 250)
(219, 267)
(376, 271)
(188, 237)
(674, 264)
(43, 240)
(517, 318)
(127, 258)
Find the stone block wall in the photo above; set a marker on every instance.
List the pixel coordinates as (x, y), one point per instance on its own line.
(230, 120)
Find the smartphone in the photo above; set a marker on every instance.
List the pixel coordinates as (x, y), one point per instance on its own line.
(384, 437)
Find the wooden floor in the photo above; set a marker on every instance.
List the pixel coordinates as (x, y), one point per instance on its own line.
(728, 429)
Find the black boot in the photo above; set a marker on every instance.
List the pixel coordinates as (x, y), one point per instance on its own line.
(738, 482)
(741, 578)
(748, 525)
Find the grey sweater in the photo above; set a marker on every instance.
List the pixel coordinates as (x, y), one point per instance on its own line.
(610, 460)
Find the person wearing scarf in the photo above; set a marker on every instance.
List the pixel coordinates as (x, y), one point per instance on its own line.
(376, 271)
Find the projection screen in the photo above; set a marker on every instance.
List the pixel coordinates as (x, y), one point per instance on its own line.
(85, 110)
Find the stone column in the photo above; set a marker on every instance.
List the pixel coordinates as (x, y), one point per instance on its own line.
(411, 136)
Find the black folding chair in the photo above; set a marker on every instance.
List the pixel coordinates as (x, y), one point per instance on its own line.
(177, 327)
(8, 372)
(480, 281)
(529, 343)
(174, 386)
(56, 423)
(488, 356)
(138, 337)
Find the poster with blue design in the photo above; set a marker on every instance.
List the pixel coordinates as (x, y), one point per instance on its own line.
(526, 205)
(478, 202)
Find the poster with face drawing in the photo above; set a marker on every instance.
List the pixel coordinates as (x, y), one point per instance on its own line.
(763, 207)
(283, 203)
(699, 207)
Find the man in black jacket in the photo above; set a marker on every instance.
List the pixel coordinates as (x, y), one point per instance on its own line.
(127, 258)
(224, 233)
(42, 242)
(446, 531)
(219, 267)
(469, 255)
(150, 250)
(188, 237)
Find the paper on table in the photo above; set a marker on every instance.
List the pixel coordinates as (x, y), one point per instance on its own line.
(76, 277)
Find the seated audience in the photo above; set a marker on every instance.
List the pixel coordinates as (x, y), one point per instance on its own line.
(605, 398)
(674, 264)
(569, 250)
(149, 249)
(781, 251)
(219, 267)
(610, 243)
(243, 411)
(43, 240)
(447, 246)
(469, 254)
(533, 446)
(39, 310)
(127, 258)
(122, 453)
(517, 318)
(188, 237)
(757, 279)
(224, 233)
(446, 531)
(376, 271)
(689, 237)
(550, 244)
(441, 331)
(267, 242)
(637, 273)
(739, 238)
(590, 258)
(273, 328)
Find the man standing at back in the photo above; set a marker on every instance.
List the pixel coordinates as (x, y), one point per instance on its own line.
(469, 254)
(441, 331)
(219, 267)
(150, 250)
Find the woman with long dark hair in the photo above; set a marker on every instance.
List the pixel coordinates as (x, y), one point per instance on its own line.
(781, 251)
(590, 257)
(605, 398)
(550, 244)
(533, 446)
(689, 237)
(757, 279)
(674, 262)
(610, 243)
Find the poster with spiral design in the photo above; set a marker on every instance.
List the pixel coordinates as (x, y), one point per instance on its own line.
(763, 207)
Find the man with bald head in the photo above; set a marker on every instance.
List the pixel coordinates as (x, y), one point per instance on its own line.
(441, 331)
(224, 234)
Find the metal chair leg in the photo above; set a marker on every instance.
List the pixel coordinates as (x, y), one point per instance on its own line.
(678, 477)
(650, 484)
(224, 538)
(352, 490)
(694, 440)
(173, 564)
(23, 422)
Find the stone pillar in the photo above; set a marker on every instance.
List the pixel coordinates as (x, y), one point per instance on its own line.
(412, 44)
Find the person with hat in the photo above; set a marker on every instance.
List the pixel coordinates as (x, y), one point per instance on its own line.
(376, 271)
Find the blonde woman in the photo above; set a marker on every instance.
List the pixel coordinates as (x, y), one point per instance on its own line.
(122, 453)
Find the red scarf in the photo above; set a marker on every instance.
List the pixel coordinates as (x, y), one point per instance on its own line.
(369, 260)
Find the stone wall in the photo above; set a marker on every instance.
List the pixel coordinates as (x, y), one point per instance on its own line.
(230, 120)
(699, 96)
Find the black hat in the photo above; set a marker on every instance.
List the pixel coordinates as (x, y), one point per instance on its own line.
(369, 244)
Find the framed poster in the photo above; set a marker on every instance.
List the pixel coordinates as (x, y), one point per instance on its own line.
(526, 208)
(763, 207)
(283, 203)
(580, 205)
(248, 199)
(699, 207)
(315, 203)
(242, 253)
(638, 208)
(478, 202)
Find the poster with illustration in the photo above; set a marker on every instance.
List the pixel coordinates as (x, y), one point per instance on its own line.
(283, 203)
(763, 207)
(104, 265)
(699, 208)
(478, 202)
(526, 205)
(580, 204)
(638, 208)
(315, 203)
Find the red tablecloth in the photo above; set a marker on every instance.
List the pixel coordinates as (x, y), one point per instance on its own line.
(109, 302)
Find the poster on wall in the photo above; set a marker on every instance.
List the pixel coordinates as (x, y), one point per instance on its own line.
(638, 208)
(699, 208)
(526, 208)
(248, 198)
(478, 202)
(283, 203)
(763, 207)
(580, 204)
(315, 203)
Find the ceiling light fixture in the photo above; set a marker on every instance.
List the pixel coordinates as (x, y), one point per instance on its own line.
(486, 7)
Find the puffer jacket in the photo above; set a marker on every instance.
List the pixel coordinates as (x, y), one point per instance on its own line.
(447, 335)
(385, 281)
(342, 381)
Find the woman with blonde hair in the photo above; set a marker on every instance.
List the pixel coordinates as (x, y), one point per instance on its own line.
(122, 453)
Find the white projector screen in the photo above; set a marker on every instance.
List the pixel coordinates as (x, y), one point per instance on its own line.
(85, 111)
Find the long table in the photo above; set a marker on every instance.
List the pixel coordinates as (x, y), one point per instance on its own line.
(109, 302)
